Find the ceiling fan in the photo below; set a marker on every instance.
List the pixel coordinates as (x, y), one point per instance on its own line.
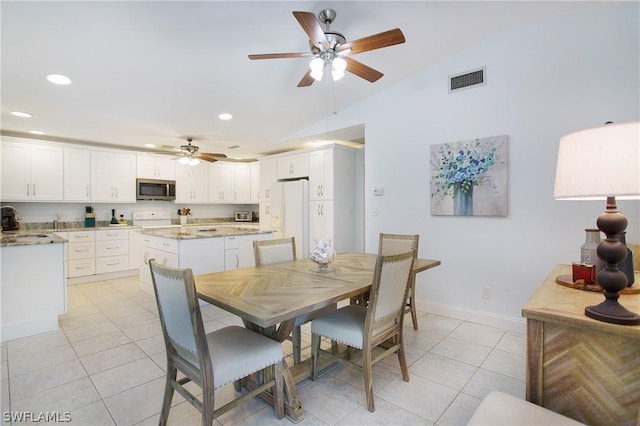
(191, 155)
(331, 47)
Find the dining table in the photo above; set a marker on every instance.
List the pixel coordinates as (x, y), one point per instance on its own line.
(268, 299)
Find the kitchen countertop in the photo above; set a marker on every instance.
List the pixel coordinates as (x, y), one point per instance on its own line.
(191, 232)
(23, 239)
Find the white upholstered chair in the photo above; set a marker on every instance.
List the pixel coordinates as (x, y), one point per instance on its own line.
(366, 326)
(284, 250)
(210, 360)
(401, 243)
(500, 409)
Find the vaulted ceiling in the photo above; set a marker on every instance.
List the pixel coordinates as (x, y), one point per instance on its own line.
(160, 71)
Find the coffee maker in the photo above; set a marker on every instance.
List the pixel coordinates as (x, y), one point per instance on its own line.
(10, 219)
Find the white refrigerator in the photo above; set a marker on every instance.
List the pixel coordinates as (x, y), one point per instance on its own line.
(290, 213)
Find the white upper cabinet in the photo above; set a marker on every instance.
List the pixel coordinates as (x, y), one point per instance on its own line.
(155, 167)
(242, 183)
(321, 174)
(229, 183)
(293, 166)
(268, 175)
(31, 172)
(77, 174)
(192, 183)
(113, 177)
(255, 182)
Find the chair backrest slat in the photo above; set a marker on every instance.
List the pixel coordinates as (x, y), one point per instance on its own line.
(274, 251)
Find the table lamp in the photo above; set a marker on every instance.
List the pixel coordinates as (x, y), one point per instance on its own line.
(596, 164)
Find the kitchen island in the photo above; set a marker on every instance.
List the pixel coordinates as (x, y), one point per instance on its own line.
(203, 248)
(33, 288)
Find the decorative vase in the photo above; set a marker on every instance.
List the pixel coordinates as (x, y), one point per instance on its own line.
(626, 266)
(463, 202)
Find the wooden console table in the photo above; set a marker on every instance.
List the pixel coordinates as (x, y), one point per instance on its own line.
(577, 366)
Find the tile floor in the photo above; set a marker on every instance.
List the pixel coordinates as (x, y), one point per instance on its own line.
(105, 366)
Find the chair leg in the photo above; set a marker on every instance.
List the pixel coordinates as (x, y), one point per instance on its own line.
(208, 407)
(403, 362)
(368, 378)
(296, 339)
(412, 303)
(278, 392)
(168, 395)
(315, 345)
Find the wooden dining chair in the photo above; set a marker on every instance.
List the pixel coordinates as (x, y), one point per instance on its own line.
(267, 252)
(366, 326)
(211, 360)
(402, 243)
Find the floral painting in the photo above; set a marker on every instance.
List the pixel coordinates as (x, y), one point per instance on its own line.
(469, 178)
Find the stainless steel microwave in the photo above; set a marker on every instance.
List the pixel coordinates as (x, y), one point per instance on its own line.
(155, 189)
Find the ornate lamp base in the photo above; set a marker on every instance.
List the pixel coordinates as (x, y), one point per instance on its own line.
(611, 279)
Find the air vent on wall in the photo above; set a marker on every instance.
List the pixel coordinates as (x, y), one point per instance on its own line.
(468, 79)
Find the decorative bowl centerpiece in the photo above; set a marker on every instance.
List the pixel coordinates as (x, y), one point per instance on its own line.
(322, 254)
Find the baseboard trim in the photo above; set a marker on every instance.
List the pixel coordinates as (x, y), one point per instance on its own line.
(518, 325)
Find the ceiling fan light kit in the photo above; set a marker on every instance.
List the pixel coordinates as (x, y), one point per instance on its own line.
(331, 47)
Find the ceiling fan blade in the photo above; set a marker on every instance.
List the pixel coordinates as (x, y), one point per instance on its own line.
(362, 70)
(312, 27)
(307, 80)
(376, 41)
(280, 55)
(212, 155)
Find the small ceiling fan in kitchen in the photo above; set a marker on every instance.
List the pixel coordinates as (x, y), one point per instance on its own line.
(191, 155)
(330, 49)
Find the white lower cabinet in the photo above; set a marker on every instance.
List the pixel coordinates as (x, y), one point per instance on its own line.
(94, 252)
(112, 250)
(81, 253)
(239, 250)
(202, 255)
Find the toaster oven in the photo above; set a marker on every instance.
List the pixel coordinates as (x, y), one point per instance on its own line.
(244, 216)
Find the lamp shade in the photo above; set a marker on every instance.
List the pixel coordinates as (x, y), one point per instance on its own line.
(601, 162)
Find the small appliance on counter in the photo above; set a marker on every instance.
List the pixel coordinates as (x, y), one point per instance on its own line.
(244, 216)
(10, 219)
(89, 217)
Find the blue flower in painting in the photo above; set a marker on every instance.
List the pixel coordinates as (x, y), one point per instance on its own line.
(459, 170)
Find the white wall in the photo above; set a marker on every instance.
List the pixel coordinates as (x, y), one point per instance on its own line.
(544, 80)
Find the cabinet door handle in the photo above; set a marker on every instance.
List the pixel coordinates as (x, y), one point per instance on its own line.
(34, 189)
(87, 191)
(28, 189)
(237, 261)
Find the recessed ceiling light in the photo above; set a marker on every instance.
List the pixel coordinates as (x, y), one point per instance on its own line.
(233, 147)
(225, 116)
(37, 132)
(59, 79)
(21, 114)
(150, 145)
